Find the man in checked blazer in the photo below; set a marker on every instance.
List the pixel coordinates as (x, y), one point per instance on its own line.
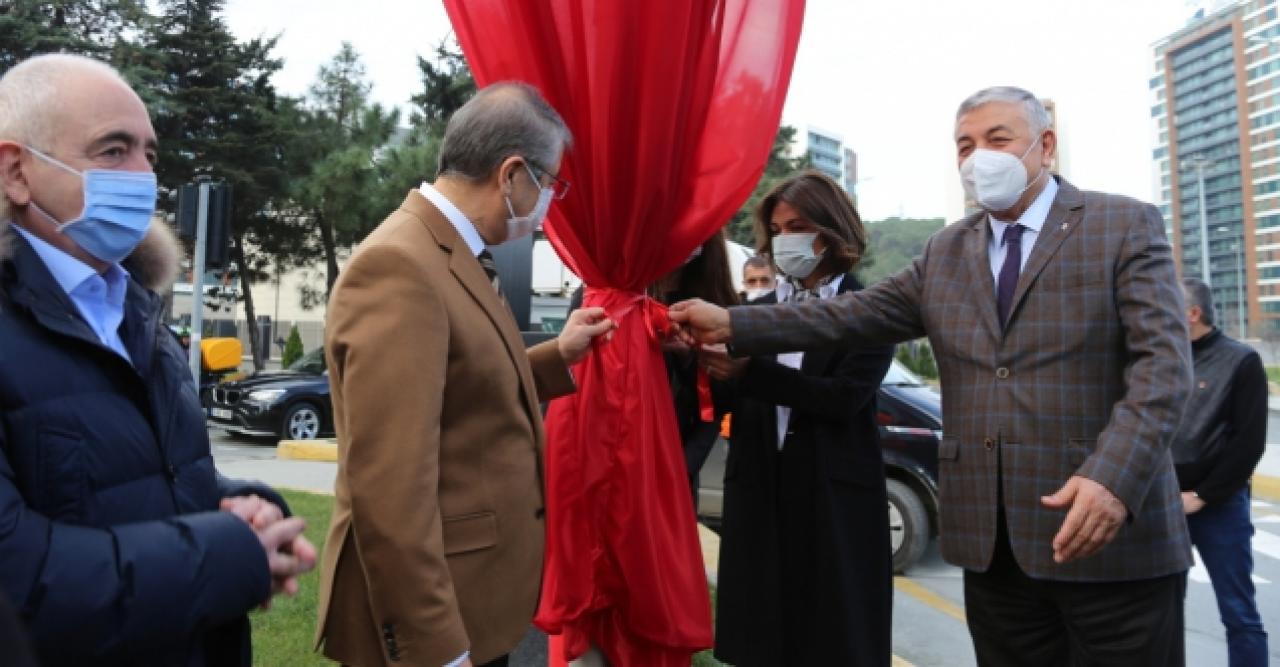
(1065, 366)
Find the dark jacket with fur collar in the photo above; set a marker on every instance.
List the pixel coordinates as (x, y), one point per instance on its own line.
(111, 546)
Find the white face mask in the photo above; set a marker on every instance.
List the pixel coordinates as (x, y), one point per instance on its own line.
(793, 253)
(996, 179)
(519, 226)
(753, 294)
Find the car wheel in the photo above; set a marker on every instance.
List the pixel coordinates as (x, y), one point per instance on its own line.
(908, 525)
(301, 422)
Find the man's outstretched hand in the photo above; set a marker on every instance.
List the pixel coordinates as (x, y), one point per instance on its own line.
(701, 322)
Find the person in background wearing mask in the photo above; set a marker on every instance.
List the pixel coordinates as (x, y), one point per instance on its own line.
(1058, 324)
(434, 555)
(1222, 437)
(758, 277)
(805, 575)
(122, 545)
(704, 275)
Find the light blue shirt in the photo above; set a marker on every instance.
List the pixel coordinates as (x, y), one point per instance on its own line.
(1033, 219)
(99, 298)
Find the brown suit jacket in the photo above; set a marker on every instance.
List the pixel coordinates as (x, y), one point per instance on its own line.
(1088, 377)
(437, 536)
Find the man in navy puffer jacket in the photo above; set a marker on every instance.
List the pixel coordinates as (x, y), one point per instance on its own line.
(119, 542)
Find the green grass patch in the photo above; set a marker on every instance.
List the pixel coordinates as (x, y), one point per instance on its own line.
(284, 636)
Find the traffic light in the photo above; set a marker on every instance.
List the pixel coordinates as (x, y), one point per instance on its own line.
(218, 236)
(188, 210)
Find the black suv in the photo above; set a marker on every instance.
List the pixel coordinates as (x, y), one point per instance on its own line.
(292, 404)
(910, 420)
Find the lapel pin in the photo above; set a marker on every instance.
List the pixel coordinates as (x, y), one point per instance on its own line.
(1065, 226)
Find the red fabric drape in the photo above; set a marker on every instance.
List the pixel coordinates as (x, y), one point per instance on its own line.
(674, 105)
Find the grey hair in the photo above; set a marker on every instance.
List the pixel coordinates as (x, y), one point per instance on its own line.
(1037, 115)
(1198, 294)
(502, 120)
(29, 99)
(759, 262)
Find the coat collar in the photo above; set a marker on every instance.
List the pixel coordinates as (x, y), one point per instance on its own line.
(30, 286)
(154, 264)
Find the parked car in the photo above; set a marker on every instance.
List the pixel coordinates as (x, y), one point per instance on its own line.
(910, 420)
(292, 404)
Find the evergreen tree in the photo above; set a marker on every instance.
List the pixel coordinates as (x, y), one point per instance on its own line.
(292, 348)
(96, 28)
(779, 166)
(447, 84)
(216, 113)
(345, 133)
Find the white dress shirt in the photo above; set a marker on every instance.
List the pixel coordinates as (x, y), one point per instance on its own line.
(1033, 219)
(796, 359)
(98, 297)
(466, 228)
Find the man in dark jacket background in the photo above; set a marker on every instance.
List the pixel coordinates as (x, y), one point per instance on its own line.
(1219, 442)
(119, 542)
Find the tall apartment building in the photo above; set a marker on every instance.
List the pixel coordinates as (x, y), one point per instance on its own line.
(826, 152)
(850, 181)
(1216, 107)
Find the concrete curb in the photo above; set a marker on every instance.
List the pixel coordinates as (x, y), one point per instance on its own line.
(1266, 487)
(308, 450)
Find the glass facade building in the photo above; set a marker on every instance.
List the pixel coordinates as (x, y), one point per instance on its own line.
(1216, 112)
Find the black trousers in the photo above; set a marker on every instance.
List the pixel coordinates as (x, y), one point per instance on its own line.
(1017, 620)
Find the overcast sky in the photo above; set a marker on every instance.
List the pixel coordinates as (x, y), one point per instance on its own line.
(886, 75)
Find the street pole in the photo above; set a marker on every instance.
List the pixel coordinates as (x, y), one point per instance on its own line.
(197, 281)
(1200, 165)
(1242, 290)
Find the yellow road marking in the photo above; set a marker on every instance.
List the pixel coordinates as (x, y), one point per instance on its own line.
(1266, 487)
(929, 597)
(307, 450)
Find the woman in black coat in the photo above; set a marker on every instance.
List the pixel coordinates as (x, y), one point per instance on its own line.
(704, 275)
(805, 574)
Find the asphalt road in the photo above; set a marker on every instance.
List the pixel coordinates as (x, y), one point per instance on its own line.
(929, 628)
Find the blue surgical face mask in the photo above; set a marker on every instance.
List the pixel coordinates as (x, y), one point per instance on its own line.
(118, 206)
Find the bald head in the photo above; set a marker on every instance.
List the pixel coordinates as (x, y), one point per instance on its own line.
(81, 114)
(46, 101)
(34, 95)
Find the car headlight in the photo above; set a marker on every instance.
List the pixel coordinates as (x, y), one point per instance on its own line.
(264, 395)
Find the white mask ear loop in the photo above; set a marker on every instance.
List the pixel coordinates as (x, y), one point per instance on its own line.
(1042, 168)
(61, 165)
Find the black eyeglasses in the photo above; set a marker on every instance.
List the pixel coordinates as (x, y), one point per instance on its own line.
(559, 186)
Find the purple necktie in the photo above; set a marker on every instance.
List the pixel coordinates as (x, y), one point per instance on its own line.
(1009, 272)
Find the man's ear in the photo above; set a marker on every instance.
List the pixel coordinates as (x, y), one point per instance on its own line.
(1049, 141)
(506, 171)
(13, 177)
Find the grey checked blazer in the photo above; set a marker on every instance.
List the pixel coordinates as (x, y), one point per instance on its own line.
(1088, 377)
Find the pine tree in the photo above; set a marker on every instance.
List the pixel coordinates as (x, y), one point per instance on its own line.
(292, 348)
(87, 27)
(340, 192)
(779, 166)
(447, 84)
(217, 114)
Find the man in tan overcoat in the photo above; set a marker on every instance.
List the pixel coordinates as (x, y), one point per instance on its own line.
(435, 553)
